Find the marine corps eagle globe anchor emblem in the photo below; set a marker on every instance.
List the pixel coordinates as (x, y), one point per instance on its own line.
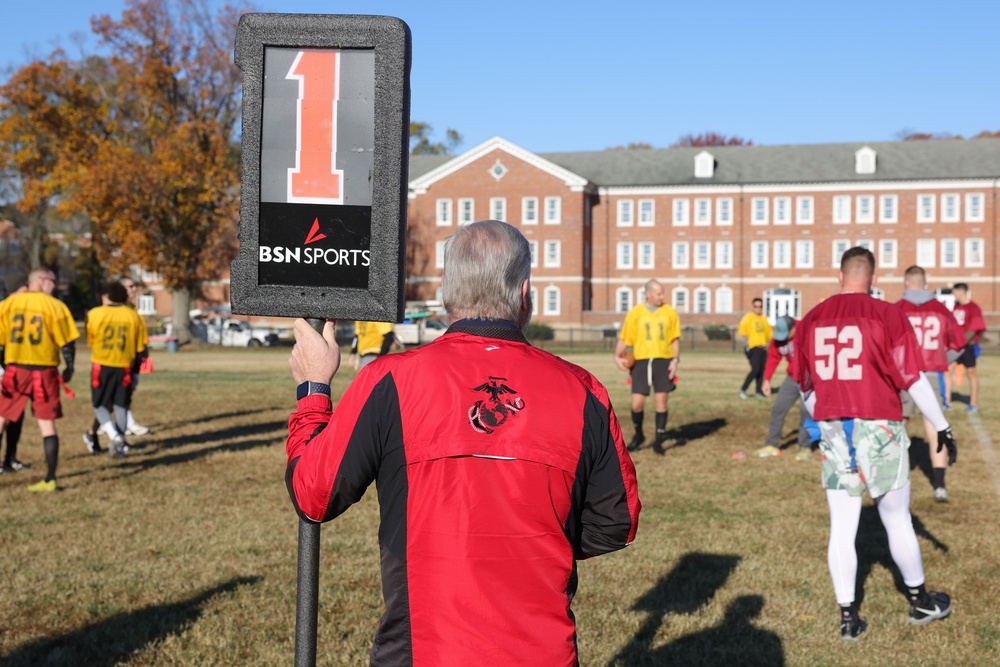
(489, 413)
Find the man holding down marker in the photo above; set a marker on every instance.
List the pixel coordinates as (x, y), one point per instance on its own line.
(498, 466)
(857, 354)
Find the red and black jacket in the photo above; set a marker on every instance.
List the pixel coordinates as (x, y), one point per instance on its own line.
(497, 465)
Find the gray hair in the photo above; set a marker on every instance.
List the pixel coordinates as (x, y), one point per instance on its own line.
(485, 264)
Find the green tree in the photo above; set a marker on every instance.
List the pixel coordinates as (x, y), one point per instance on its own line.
(420, 140)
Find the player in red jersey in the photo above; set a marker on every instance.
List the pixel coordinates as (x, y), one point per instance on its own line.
(856, 354)
(941, 341)
(970, 317)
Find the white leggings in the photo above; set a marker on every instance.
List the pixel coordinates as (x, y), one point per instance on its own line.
(845, 514)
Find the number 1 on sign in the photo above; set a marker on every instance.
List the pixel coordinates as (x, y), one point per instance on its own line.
(315, 179)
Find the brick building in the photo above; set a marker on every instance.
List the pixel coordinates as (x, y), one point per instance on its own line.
(716, 225)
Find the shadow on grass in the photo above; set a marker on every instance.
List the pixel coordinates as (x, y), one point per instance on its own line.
(225, 415)
(113, 640)
(684, 590)
(873, 549)
(153, 456)
(685, 433)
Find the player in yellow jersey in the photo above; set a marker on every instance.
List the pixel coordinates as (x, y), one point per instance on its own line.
(371, 341)
(15, 283)
(756, 333)
(34, 329)
(115, 334)
(134, 427)
(653, 331)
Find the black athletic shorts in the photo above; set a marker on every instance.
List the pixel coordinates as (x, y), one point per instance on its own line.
(110, 386)
(968, 358)
(653, 372)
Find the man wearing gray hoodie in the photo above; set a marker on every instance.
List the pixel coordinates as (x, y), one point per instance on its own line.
(941, 342)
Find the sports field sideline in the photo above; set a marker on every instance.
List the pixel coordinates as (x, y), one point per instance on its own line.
(184, 554)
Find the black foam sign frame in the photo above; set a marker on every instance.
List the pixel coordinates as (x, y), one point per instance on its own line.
(340, 255)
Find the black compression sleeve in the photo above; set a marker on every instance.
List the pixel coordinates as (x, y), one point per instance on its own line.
(69, 354)
(387, 343)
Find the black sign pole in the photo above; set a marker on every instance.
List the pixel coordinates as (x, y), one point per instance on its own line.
(307, 583)
(323, 193)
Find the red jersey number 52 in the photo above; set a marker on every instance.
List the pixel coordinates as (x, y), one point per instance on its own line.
(833, 363)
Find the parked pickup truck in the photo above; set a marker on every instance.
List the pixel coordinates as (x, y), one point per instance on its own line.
(420, 331)
(237, 333)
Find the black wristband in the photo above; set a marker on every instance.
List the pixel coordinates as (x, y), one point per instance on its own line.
(310, 388)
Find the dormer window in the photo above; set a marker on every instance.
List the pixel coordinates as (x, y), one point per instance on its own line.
(864, 161)
(704, 165)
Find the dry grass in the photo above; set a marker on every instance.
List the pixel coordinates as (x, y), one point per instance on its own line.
(185, 554)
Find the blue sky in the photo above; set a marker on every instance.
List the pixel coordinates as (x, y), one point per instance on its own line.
(583, 75)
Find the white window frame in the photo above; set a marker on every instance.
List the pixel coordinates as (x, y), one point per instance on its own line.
(926, 208)
(442, 212)
(805, 259)
(786, 246)
(867, 244)
(865, 213)
(439, 254)
(974, 207)
(705, 306)
(466, 204)
(805, 210)
(888, 209)
(724, 212)
(971, 253)
(782, 210)
(646, 255)
(548, 307)
(498, 208)
(680, 255)
(723, 254)
(529, 210)
(927, 253)
(625, 255)
(552, 258)
(951, 199)
(702, 212)
(888, 253)
(759, 259)
(626, 213)
(681, 304)
(682, 212)
(841, 209)
(623, 292)
(759, 210)
(553, 211)
(954, 262)
(533, 246)
(724, 300)
(702, 247)
(145, 304)
(647, 212)
(840, 246)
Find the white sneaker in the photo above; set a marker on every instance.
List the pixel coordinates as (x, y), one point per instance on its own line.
(941, 494)
(135, 428)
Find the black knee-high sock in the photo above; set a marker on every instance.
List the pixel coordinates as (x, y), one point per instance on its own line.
(13, 437)
(937, 477)
(661, 425)
(637, 421)
(51, 445)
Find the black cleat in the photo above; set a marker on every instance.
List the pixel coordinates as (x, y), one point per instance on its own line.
(852, 627)
(636, 442)
(936, 606)
(658, 448)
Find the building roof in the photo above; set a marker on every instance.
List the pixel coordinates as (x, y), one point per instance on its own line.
(808, 163)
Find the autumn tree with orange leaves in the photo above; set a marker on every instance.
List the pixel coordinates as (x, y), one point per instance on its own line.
(142, 141)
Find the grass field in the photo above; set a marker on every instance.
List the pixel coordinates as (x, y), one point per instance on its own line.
(185, 554)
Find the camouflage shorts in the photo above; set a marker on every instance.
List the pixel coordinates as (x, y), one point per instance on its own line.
(881, 451)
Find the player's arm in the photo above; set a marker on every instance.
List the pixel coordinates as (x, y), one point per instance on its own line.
(387, 341)
(923, 395)
(69, 356)
(675, 347)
